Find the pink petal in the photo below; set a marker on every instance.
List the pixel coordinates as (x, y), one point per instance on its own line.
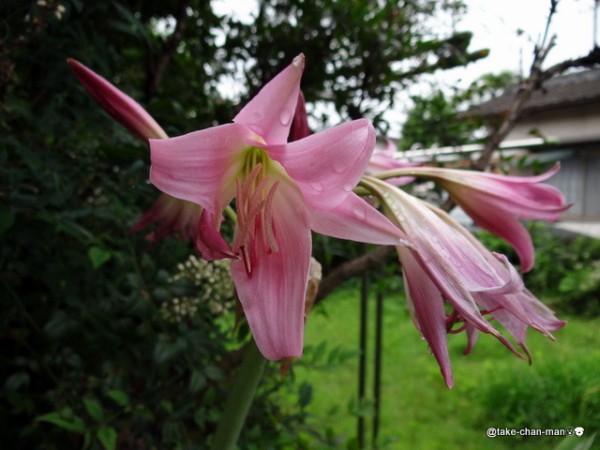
(522, 197)
(328, 165)
(199, 167)
(522, 179)
(443, 248)
(273, 296)
(508, 312)
(427, 304)
(541, 314)
(299, 128)
(271, 111)
(356, 220)
(507, 227)
(472, 336)
(170, 216)
(524, 201)
(209, 241)
(450, 261)
(454, 291)
(119, 105)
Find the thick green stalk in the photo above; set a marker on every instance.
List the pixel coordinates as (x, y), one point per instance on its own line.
(240, 399)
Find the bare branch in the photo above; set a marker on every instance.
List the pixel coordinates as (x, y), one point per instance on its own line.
(534, 82)
(158, 72)
(352, 269)
(553, 5)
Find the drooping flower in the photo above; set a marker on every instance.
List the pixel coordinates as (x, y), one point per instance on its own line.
(168, 215)
(447, 264)
(498, 202)
(282, 191)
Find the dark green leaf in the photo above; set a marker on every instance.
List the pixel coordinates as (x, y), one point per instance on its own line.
(119, 397)
(94, 409)
(98, 256)
(107, 437)
(71, 423)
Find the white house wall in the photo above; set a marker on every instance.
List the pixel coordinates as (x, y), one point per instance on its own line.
(569, 124)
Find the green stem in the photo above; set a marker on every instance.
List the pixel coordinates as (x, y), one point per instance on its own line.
(394, 173)
(230, 213)
(240, 399)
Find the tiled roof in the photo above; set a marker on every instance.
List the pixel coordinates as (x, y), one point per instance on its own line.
(564, 90)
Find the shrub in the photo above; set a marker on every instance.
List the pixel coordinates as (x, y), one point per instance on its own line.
(546, 396)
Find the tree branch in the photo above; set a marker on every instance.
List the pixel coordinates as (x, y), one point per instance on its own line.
(352, 269)
(536, 78)
(158, 72)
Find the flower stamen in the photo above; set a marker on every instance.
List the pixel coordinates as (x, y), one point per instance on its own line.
(254, 200)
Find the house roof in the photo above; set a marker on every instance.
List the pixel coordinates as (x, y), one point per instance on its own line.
(564, 90)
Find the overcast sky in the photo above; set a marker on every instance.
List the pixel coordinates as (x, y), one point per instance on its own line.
(510, 29)
(495, 25)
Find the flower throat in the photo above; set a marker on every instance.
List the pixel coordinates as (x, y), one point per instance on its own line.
(255, 189)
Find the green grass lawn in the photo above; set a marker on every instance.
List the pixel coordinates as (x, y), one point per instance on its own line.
(418, 411)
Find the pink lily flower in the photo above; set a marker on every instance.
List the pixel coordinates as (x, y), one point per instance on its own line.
(383, 160)
(447, 264)
(282, 191)
(169, 215)
(497, 202)
(119, 105)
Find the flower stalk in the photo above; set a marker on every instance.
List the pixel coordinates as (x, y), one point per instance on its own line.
(498, 203)
(240, 399)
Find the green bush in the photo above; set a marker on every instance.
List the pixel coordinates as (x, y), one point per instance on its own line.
(546, 396)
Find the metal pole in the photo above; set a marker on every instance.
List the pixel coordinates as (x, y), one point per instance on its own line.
(378, 357)
(362, 362)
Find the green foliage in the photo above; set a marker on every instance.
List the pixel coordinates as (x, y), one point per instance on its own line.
(419, 412)
(432, 121)
(438, 120)
(566, 271)
(554, 396)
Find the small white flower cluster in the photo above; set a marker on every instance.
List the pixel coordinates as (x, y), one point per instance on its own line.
(57, 8)
(214, 288)
(52, 6)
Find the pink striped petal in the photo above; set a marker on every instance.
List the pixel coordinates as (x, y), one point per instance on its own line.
(209, 241)
(496, 202)
(271, 111)
(328, 165)
(427, 305)
(273, 295)
(356, 220)
(499, 222)
(197, 166)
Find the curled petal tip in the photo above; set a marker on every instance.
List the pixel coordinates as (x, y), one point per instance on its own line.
(298, 61)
